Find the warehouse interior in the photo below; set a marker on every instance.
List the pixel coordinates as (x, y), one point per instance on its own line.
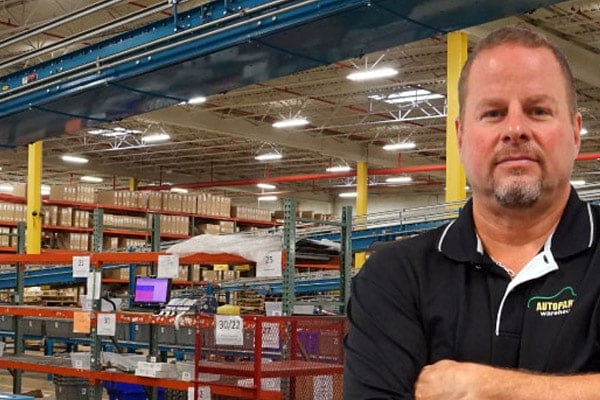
(214, 143)
(211, 79)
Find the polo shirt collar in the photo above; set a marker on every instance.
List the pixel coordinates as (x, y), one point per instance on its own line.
(575, 232)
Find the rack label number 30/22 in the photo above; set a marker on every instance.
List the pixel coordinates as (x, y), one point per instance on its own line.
(229, 330)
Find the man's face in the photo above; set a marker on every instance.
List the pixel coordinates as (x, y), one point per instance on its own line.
(516, 136)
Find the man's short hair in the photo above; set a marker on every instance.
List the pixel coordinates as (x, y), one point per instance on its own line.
(524, 37)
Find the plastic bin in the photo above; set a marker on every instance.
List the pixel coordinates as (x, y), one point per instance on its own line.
(33, 326)
(80, 359)
(7, 323)
(71, 388)
(62, 328)
(166, 334)
(128, 391)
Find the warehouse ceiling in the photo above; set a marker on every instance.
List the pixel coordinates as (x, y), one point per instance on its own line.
(212, 145)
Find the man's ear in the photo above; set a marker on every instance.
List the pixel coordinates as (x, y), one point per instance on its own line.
(458, 128)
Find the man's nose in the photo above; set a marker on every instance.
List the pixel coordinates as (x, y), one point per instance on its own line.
(516, 129)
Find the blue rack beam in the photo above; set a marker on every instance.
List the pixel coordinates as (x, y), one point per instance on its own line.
(216, 47)
(364, 238)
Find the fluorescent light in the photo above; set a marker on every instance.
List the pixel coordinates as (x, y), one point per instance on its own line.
(376, 73)
(74, 159)
(338, 168)
(91, 179)
(408, 96)
(267, 198)
(6, 187)
(156, 137)
(583, 131)
(290, 123)
(267, 186)
(268, 156)
(399, 179)
(400, 146)
(348, 195)
(178, 190)
(196, 100)
(577, 183)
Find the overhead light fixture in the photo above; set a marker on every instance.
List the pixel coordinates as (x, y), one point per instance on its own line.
(179, 190)
(266, 186)
(267, 198)
(91, 179)
(375, 73)
(578, 183)
(339, 168)
(113, 132)
(156, 137)
(399, 179)
(290, 123)
(583, 131)
(74, 159)
(269, 156)
(407, 96)
(399, 146)
(348, 195)
(6, 188)
(196, 100)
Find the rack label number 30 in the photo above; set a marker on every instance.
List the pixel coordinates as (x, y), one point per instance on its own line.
(229, 330)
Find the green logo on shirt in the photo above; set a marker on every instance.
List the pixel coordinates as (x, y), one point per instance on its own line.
(551, 306)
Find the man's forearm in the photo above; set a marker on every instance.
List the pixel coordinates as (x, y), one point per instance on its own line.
(451, 380)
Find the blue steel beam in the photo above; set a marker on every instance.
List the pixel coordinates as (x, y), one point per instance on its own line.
(217, 47)
(364, 238)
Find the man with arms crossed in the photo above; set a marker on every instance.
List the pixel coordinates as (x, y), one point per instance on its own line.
(504, 302)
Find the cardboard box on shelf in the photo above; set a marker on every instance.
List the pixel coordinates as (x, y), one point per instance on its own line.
(19, 189)
(155, 201)
(213, 229)
(50, 215)
(227, 226)
(85, 194)
(63, 192)
(65, 216)
(107, 197)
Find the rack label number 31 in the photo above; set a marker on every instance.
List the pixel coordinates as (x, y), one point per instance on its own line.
(229, 330)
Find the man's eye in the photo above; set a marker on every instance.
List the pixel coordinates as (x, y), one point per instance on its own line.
(492, 114)
(539, 111)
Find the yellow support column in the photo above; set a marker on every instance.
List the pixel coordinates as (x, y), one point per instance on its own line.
(362, 180)
(133, 184)
(456, 181)
(33, 241)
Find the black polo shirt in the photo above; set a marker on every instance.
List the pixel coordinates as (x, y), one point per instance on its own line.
(439, 296)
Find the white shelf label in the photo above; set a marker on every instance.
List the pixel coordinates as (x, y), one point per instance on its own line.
(168, 266)
(323, 387)
(269, 264)
(270, 335)
(94, 285)
(107, 324)
(81, 266)
(203, 393)
(229, 330)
